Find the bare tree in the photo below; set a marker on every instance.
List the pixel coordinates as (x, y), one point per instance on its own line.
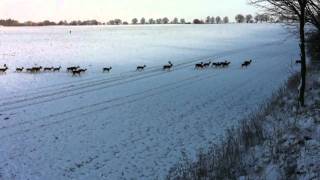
(208, 20)
(249, 18)
(117, 21)
(218, 20)
(313, 13)
(292, 9)
(159, 21)
(240, 18)
(111, 22)
(226, 20)
(213, 20)
(134, 21)
(151, 21)
(198, 21)
(165, 20)
(175, 21)
(143, 21)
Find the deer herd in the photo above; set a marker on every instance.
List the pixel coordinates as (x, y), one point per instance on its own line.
(212, 64)
(77, 71)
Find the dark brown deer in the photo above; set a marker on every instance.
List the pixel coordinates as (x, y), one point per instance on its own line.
(83, 70)
(199, 66)
(36, 69)
(107, 69)
(57, 69)
(205, 65)
(246, 63)
(76, 72)
(216, 64)
(225, 64)
(29, 70)
(48, 68)
(72, 68)
(168, 66)
(141, 68)
(19, 69)
(3, 70)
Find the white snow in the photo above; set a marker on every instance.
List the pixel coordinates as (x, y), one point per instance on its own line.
(291, 149)
(129, 124)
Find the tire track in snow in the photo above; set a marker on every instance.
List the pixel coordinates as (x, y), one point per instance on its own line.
(240, 85)
(61, 95)
(212, 100)
(129, 74)
(153, 92)
(143, 76)
(152, 69)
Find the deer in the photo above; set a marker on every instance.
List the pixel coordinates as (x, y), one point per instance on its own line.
(29, 70)
(249, 62)
(3, 70)
(141, 68)
(225, 64)
(205, 65)
(72, 68)
(199, 66)
(106, 69)
(168, 66)
(82, 70)
(76, 72)
(48, 68)
(19, 69)
(36, 69)
(216, 64)
(246, 63)
(57, 69)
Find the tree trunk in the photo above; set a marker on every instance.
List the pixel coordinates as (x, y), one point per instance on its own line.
(303, 58)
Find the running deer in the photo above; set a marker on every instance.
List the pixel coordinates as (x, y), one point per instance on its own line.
(76, 72)
(3, 70)
(246, 63)
(199, 66)
(19, 69)
(225, 64)
(57, 69)
(205, 65)
(168, 66)
(36, 69)
(141, 68)
(72, 68)
(48, 68)
(107, 69)
(29, 70)
(83, 70)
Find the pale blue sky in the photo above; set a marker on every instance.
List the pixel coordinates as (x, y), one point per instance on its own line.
(104, 10)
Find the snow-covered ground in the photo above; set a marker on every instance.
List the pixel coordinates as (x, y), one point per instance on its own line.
(291, 145)
(128, 124)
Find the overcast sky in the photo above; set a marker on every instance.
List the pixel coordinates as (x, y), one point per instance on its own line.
(103, 10)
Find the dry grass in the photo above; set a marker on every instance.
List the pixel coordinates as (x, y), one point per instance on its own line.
(313, 46)
(224, 160)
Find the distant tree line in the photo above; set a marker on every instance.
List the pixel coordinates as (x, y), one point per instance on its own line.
(258, 18)
(263, 18)
(11, 22)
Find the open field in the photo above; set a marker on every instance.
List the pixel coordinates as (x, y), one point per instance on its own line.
(128, 124)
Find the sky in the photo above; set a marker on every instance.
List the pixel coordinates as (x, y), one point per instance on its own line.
(104, 10)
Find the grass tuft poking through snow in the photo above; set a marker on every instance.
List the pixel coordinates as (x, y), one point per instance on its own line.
(280, 141)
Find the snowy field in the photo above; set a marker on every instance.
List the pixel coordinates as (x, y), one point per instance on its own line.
(127, 124)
